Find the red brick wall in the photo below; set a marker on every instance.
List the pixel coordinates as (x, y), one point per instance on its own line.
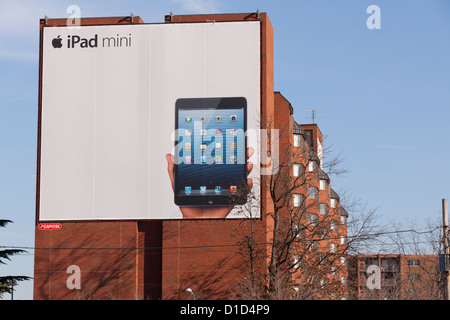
(204, 256)
(117, 259)
(104, 251)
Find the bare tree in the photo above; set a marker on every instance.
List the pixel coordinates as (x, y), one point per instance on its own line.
(301, 254)
(420, 245)
(407, 263)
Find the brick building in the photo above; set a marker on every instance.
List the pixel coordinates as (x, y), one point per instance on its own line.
(401, 277)
(153, 259)
(319, 221)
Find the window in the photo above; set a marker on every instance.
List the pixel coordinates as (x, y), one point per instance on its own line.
(323, 258)
(333, 203)
(343, 219)
(414, 277)
(298, 231)
(413, 262)
(342, 260)
(312, 192)
(333, 247)
(334, 225)
(297, 260)
(297, 140)
(311, 166)
(387, 265)
(343, 239)
(312, 219)
(323, 208)
(371, 262)
(296, 170)
(333, 270)
(297, 200)
(313, 246)
(343, 280)
(388, 275)
(322, 184)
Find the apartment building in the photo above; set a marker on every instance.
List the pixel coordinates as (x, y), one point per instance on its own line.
(319, 221)
(395, 277)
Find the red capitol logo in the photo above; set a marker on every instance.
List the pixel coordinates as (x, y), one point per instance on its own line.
(49, 226)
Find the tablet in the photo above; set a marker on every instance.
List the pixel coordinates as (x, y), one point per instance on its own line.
(210, 151)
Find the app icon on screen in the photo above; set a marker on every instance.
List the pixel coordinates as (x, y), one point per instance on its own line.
(187, 132)
(187, 146)
(218, 159)
(203, 189)
(218, 189)
(203, 145)
(233, 118)
(188, 119)
(187, 190)
(187, 159)
(233, 132)
(233, 189)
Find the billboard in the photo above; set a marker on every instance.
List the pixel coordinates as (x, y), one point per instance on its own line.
(149, 121)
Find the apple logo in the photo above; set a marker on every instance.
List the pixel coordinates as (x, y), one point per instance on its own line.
(57, 42)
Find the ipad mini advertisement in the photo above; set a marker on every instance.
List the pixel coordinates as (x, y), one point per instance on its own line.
(151, 121)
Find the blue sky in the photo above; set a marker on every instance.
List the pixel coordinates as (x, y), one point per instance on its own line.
(383, 96)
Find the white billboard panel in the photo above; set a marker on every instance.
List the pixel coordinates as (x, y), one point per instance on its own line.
(109, 97)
